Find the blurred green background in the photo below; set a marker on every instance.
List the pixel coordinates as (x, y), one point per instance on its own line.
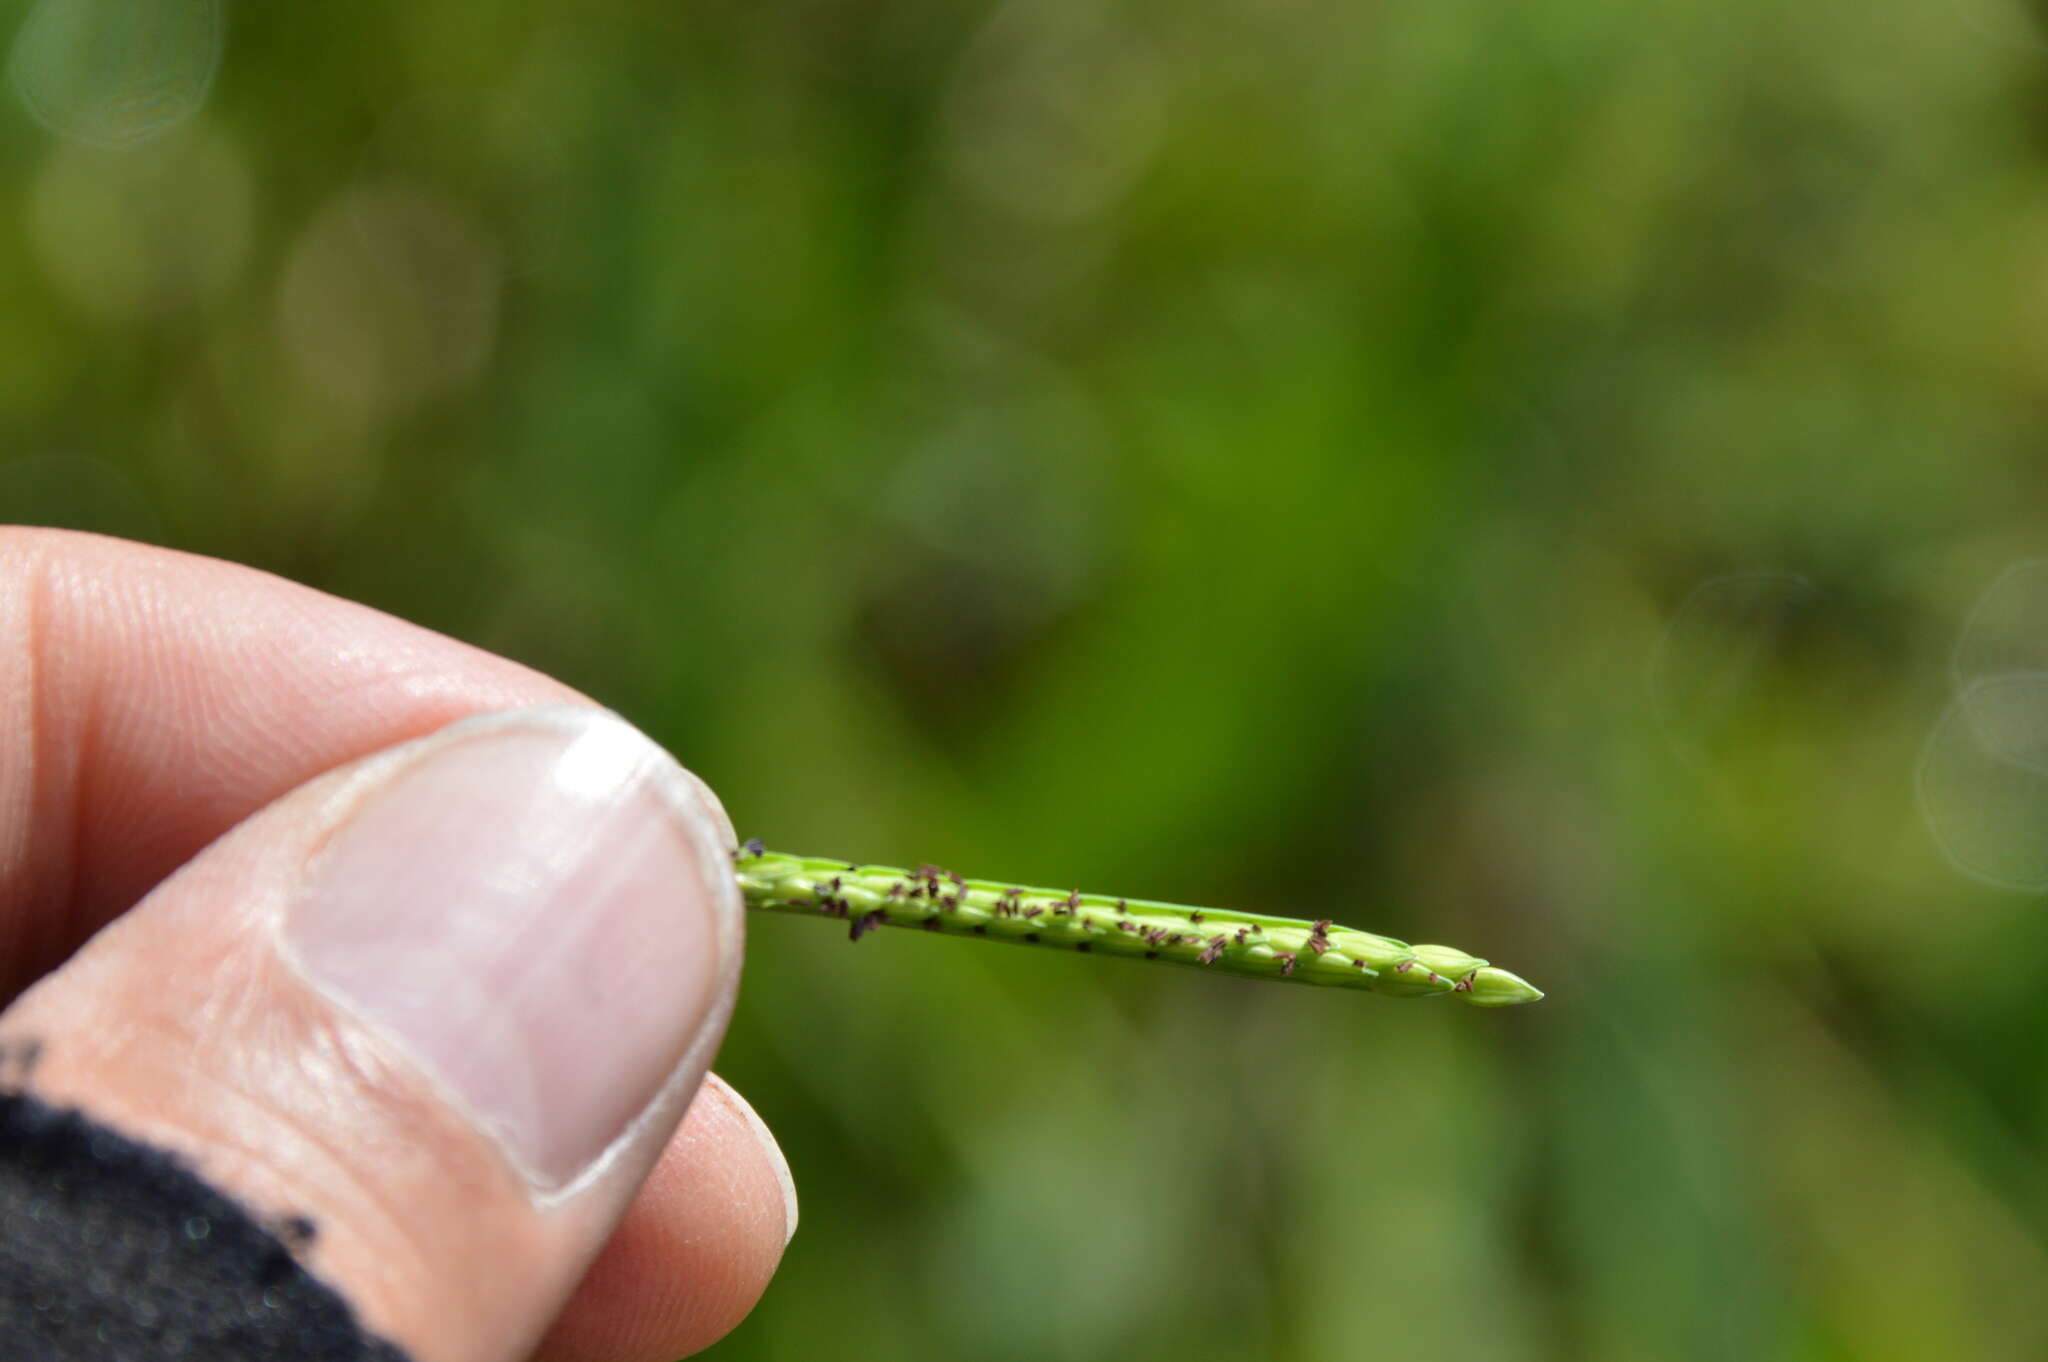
(1542, 475)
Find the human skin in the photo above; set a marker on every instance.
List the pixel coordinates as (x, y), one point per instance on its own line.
(179, 738)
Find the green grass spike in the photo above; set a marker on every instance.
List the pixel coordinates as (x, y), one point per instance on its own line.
(870, 896)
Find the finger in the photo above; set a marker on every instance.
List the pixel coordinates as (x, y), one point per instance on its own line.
(150, 700)
(693, 1251)
(446, 1004)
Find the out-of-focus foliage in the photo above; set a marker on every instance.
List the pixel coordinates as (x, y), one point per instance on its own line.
(1513, 472)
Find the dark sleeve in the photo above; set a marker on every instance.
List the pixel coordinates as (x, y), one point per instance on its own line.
(112, 1251)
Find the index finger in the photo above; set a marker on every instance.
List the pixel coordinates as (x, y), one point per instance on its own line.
(150, 700)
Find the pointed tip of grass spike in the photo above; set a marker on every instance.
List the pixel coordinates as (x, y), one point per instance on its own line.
(1492, 987)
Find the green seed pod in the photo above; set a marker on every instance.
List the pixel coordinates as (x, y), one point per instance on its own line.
(866, 897)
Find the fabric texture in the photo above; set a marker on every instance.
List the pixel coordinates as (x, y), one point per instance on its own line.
(113, 1251)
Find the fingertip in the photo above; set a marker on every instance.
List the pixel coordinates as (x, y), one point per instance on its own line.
(695, 1250)
(770, 1150)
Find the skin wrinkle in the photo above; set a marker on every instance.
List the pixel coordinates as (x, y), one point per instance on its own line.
(330, 1059)
(324, 1058)
(306, 680)
(225, 719)
(61, 794)
(255, 1129)
(253, 1164)
(257, 1174)
(22, 859)
(736, 1123)
(53, 875)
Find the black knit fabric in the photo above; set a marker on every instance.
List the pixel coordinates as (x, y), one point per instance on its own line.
(111, 1251)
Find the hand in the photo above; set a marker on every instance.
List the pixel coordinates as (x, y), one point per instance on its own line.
(318, 902)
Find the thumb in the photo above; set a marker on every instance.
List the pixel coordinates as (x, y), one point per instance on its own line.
(439, 1011)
